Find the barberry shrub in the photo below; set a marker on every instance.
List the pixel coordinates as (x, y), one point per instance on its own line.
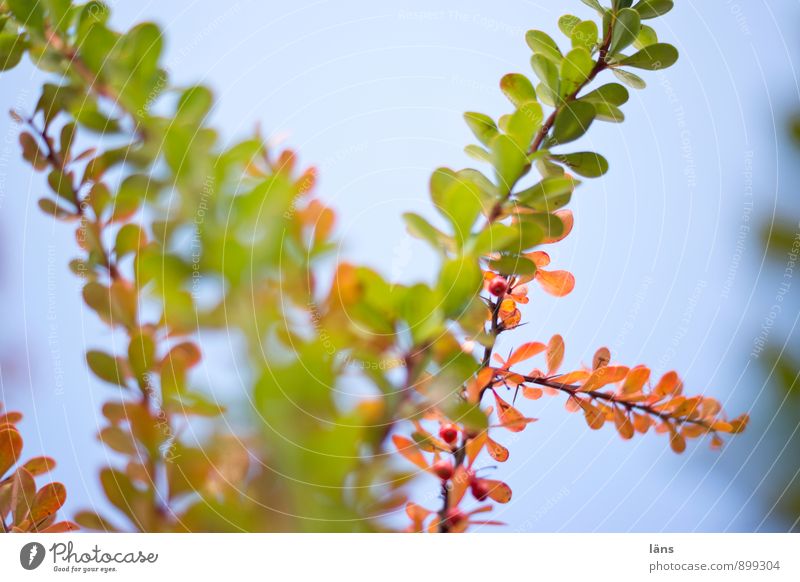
(179, 235)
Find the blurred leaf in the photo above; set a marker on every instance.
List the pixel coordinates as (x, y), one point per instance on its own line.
(542, 44)
(587, 164)
(653, 8)
(10, 449)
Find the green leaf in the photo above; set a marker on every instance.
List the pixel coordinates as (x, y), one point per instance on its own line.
(630, 79)
(567, 24)
(53, 209)
(594, 4)
(513, 265)
(575, 70)
(194, 105)
(585, 35)
(588, 164)
(421, 311)
(620, 4)
(106, 367)
(652, 58)
(61, 185)
(509, 160)
(548, 195)
(12, 47)
(482, 126)
(460, 204)
(647, 36)
(476, 152)
(609, 113)
(542, 44)
(517, 88)
(653, 8)
(626, 29)
(130, 239)
(547, 72)
(524, 123)
(572, 121)
(422, 229)
(141, 355)
(28, 13)
(612, 93)
(460, 280)
(496, 237)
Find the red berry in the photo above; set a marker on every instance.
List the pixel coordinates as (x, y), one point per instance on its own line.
(449, 433)
(498, 286)
(454, 517)
(479, 489)
(443, 469)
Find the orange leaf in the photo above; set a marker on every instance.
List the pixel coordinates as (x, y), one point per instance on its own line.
(418, 515)
(668, 384)
(497, 451)
(475, 446)
(677, 442)
(539, 258)
(459, 484)
(555, 354)
(481, 381)
(601, 358)
(557, 283)
(641, 422)
(572, 377)
(498, 491)
(604, 376)
(10, 448)
(594, 417)
(510, 417)
(636, 379)
(532, 392)
(525, 352)
(40, 465)
(623, 423)
(48, 501)
(409, 450)
(568, 220)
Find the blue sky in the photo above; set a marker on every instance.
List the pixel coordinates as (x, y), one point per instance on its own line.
(667, 272)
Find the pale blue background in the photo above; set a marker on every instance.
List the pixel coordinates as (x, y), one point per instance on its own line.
(373, 93)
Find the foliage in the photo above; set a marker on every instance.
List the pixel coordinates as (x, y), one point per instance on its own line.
(180, 235)
(29, 508)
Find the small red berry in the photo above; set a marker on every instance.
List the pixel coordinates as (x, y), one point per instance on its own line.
(449, 433)
(443, 469)
(498, 286)
(479, 489)
(454, 517)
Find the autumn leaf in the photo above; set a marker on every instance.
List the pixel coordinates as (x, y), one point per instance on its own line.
(409, 450)
(555, 354)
